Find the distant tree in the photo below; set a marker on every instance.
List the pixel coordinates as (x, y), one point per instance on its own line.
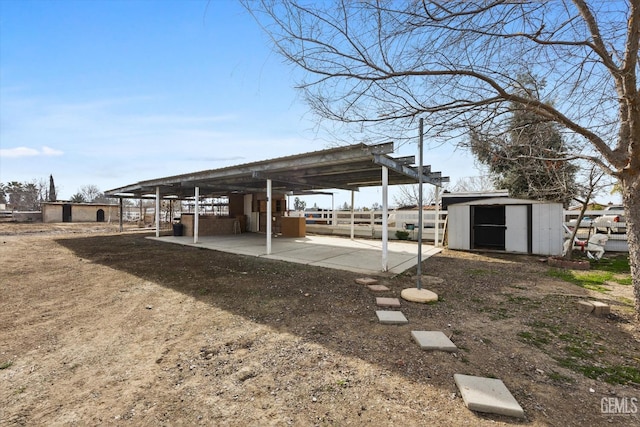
(408, 195)
(78, 198)
(376, 206)
(474, 184)
(91, 193)
(345, 207)
(299, 205)
(52, 190)
(23, 196)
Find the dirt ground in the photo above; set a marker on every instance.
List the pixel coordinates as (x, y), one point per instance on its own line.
(98, 327)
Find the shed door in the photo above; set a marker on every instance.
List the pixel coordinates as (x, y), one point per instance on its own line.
(489, 226)
(66, 213)
(100, 215)
(517, 234)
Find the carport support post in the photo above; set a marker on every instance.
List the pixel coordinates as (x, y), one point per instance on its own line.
(353, 231)
(437, 224)
(196, 214)
(157, 211)
(385, 219)
(121, 214)
(269, 218)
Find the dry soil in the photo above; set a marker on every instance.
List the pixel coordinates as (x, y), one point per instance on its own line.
(102, 328)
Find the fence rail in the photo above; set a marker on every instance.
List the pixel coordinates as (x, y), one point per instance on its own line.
(369, 224)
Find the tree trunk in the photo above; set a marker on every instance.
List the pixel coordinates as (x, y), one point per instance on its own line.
(631, 197)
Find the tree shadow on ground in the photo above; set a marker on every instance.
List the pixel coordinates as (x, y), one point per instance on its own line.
(485, 303)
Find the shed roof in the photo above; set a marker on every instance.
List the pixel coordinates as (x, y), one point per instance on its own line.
(502, 201)
(347, 168)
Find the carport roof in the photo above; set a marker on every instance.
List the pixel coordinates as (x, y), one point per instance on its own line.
(347, 168)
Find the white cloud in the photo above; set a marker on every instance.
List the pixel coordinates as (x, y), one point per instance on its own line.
(48, 151)
(29, 152)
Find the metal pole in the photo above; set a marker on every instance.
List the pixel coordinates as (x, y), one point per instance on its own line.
(157, 211)
(269, 218)
(385, 218)
(420, 226)
(121, 214)
(352, 216)
(437, 224)
(196, 215)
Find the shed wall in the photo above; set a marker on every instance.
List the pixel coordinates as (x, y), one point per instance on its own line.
(546, 228)
(548, 235)
(459, 219)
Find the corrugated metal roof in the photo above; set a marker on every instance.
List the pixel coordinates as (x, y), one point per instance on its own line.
(347, 167)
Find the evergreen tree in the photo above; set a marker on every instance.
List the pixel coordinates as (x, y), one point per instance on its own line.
(52, 190)
(529, 157)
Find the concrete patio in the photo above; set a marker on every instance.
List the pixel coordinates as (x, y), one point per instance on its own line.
(358, 255)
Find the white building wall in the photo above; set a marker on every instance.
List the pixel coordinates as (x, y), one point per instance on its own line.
(547, 233)
(459, 227)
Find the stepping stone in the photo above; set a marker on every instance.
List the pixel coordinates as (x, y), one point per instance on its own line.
(391, 317)
(366, 281)
(433, 340)
(378, 288)
(419, 295)
(487, 395)
(387, 302)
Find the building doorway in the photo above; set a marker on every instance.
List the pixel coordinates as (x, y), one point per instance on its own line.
(66, 213)
(488, 227)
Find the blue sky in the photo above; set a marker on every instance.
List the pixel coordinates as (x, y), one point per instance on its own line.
(109, 93)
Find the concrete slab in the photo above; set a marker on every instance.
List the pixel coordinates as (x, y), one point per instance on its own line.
(366, 281)
(378, 288)
(433, 340)
(487, 395)
(391, 317)
(362, 256)
(419, 295)
(387, 302)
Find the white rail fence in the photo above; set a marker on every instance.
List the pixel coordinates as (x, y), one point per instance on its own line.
(369, 224)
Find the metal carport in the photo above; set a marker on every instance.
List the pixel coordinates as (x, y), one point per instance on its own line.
(346, 168)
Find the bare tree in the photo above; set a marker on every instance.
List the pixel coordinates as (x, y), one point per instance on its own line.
(591, 185)
(408, 195)
(456, 63)
(474, 183)
(90, 193)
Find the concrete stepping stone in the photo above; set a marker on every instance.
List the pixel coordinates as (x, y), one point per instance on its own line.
(378, 288)
(391, 317)
(433, 340)
(418, 295)
(366, 281)
(387, 302)
(487, 395)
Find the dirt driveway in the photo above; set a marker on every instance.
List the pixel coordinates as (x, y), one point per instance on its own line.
(98, 328)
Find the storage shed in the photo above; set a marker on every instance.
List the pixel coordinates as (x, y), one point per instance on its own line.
(79, 212)
(506, 224)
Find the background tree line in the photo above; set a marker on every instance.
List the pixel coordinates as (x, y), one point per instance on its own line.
(28, 195)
